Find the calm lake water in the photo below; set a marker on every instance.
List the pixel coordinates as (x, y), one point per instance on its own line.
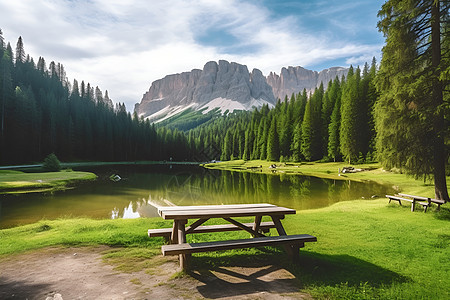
(141, 186)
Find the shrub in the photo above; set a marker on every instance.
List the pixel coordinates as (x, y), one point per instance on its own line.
(51, 163)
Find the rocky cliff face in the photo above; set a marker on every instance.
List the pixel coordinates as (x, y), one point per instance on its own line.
(295, 79)
(227, 86)
(224, 85)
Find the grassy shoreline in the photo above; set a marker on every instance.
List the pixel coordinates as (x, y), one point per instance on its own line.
(365, 249)
(20, 182)
(372, 172)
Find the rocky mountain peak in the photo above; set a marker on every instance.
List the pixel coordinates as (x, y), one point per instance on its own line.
(227, 86)
(295, 79)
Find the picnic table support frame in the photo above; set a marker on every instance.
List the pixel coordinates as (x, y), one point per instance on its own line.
(201, 214)
(195, 225)
(242, 226)
(182, 239)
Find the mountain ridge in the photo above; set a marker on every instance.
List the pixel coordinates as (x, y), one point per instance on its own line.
(226, 86)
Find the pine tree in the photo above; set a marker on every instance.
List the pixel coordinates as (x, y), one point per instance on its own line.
(306, 129)
(263, 140)
(2, 42)
(333, 131)
(411, 110)
(20, 51)
(297, 142)
(350, 120)
(227, 146)
(273, 147)
(317, 128)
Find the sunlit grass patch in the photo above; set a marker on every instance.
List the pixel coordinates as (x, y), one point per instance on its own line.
(20, 182)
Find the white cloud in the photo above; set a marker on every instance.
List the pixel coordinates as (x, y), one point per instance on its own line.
(124, 45)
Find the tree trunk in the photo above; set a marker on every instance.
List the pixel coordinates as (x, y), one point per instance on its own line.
(439, 155)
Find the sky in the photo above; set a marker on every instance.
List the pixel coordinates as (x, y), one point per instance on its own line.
(124, 45)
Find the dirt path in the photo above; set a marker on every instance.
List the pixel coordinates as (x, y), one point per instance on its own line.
(80, 273)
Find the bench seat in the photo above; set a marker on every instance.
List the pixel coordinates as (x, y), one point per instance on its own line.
(188, 248)
(166, 232)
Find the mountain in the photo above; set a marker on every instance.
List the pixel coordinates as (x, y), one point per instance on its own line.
(295, 79)
(226, 86)
(223, 85)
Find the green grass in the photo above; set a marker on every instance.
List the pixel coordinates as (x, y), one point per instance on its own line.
(365, 249)
(20, 182)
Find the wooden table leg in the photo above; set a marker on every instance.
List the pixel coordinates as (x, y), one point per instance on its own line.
(277, 221)
(291, 251)
(174, 236)
(181, 233)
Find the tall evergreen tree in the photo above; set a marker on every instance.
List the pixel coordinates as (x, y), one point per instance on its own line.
(20, 51)
(334, 130)
(350, 121)
(307, 135)
(411, 111)
(2, 42)
(273, 146)
(297, 142)
(263, 139)
(227, 146)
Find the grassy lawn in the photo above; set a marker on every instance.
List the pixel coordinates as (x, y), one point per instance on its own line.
(365, 249)
(20, 182)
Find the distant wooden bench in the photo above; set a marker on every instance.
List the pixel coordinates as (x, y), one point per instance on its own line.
(413, 201)
(294, 242)
(425, 200)
(166, 232)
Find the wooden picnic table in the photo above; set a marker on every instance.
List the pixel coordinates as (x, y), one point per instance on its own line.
(182, 214)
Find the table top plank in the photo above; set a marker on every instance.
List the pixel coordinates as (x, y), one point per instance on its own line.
(199, 207)
(414, 197)
(224, 211)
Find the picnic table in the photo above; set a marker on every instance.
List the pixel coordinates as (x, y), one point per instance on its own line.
(182, 214)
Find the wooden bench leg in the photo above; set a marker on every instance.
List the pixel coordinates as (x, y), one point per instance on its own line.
(295, 249)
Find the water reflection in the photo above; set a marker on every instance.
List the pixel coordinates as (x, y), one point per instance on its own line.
(143, 187)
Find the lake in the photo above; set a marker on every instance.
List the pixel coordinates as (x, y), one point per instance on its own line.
(144, 185)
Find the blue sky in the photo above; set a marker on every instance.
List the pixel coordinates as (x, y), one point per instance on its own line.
(124, 45)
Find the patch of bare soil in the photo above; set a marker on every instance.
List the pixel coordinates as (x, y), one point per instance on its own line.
(80, 273)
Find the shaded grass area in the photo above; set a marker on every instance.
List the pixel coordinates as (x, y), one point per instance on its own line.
(365, 250)
(20, 182)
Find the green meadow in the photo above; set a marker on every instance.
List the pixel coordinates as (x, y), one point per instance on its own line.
(365, 249)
